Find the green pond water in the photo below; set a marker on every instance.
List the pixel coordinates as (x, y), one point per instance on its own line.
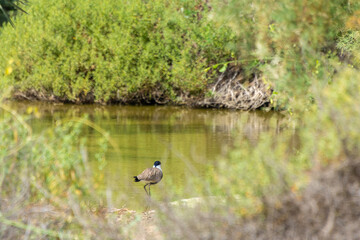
(186, 141)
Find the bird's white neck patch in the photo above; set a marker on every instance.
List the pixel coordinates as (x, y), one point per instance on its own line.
(158, 166)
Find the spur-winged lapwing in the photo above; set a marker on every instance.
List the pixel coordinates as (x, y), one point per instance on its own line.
(150, 176)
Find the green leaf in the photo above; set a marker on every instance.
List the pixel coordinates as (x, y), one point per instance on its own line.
(6, 15)
(17, 7)
(223, 69)
(6, 6)
(215, 66)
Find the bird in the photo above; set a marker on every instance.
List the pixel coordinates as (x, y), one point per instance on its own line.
(151, 176)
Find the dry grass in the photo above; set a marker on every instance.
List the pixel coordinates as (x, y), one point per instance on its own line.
(329, 208)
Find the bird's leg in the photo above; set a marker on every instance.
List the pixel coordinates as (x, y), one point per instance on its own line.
(145, 188)
(149, 190)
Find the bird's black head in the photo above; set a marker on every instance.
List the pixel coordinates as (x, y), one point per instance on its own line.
(157, 163)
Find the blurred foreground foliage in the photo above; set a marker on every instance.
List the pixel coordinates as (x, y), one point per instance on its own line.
(255, 177)
(308, 51)
(292, 43)
(44, 176)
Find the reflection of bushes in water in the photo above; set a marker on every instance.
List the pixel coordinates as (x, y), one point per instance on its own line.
(252, 123)
(114, 50)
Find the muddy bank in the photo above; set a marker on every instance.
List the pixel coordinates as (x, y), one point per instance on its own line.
(229, 90)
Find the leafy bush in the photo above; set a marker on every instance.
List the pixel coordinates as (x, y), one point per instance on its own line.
(292, 43)
(112, 50)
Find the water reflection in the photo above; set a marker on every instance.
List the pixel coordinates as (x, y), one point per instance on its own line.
(184, 140)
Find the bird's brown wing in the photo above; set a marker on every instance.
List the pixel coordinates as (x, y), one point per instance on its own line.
(152, 175)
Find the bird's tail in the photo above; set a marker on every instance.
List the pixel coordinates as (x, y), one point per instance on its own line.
(136, 179)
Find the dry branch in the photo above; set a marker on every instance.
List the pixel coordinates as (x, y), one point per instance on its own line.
(229, 92)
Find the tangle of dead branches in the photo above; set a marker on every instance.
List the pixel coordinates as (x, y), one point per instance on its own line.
(231, 90)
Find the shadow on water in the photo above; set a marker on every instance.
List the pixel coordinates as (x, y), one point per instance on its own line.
(185, 140)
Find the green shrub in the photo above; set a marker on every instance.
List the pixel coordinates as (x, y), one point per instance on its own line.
(112, 50)
(291, 42)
